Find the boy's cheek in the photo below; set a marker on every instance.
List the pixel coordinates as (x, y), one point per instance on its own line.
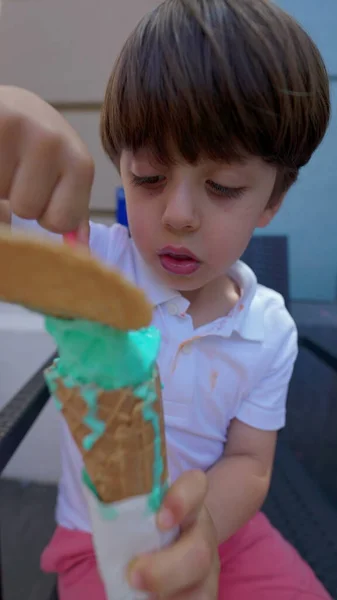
(142, 233)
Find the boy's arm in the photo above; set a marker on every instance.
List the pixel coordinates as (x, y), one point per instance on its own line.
(239, 482)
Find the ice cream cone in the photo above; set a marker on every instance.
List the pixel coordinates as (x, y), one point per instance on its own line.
(120, 464)
(106, 384)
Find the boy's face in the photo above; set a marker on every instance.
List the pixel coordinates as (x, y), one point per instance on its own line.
(192, 222)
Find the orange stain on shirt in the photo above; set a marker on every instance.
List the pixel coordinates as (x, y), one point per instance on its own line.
(180, 348)
(214, 379)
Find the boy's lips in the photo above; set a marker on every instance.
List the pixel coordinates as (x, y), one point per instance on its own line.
(178, 260)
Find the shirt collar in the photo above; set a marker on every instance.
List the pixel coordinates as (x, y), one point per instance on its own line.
(246, 318)
(248, 315)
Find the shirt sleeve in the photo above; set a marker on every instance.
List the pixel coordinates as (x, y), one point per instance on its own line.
(32, 226)
(265, 406)
(106, 243)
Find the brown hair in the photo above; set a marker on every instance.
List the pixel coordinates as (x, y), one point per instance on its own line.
(218, 79)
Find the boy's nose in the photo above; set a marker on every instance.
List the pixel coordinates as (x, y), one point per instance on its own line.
(181, 212)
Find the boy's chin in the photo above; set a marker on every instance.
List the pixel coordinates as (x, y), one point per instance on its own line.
(184, 283)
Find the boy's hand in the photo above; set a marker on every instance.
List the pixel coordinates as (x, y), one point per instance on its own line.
(189, 568)
(46, 171)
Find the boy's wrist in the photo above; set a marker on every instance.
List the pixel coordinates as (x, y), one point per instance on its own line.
(206, 520)
(234, 496)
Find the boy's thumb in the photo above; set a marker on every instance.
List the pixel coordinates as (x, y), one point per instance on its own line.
(83, 233)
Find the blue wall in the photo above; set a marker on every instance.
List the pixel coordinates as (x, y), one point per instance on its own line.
(309, 215)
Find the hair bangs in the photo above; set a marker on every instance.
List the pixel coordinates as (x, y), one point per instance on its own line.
(218, 79)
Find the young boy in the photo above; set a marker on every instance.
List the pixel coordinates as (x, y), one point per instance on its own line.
(211, 110)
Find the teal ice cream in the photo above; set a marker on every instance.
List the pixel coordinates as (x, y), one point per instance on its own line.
(96, 358)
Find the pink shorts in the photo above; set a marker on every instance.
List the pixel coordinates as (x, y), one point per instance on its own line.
(256, 564)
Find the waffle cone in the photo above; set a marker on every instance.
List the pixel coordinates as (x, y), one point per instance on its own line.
(120, 463)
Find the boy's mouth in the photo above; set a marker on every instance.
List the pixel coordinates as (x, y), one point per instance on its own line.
(178, 260)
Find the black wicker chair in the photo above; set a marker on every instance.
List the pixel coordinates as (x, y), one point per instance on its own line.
(296, 504)
(302, 502)
(16, 419)
(268, 257)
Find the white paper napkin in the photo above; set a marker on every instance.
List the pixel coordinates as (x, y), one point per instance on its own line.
(122, 531)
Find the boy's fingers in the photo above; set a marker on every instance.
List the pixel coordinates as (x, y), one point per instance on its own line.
(46, 172)
(183, 501)
(9, 154)
(5, 212)
(204, 592)
(68, 207)
(32, 186)
(175, 568)
(8, 165)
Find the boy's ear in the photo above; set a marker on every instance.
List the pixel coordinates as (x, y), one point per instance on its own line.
(270, 211)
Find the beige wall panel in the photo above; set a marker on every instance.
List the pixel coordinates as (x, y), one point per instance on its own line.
(64, 49)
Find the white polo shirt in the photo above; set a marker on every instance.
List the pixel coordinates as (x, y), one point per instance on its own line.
(237, 366)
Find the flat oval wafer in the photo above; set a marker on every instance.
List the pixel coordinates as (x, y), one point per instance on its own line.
(63, 281)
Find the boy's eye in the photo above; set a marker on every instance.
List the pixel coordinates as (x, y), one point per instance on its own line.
(150, 181)
(227, 192)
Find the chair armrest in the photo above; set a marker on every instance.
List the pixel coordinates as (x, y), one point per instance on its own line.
(19, 414)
